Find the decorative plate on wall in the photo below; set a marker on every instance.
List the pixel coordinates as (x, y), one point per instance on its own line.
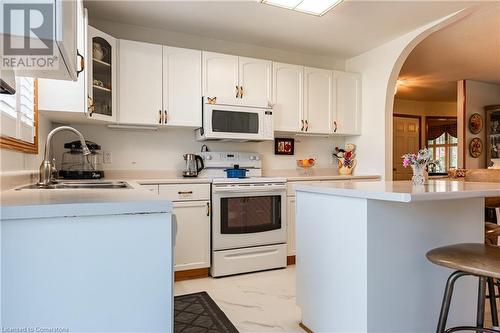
(475, 123)
(476, 147)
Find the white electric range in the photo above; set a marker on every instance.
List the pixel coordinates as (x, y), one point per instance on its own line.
(249, 215)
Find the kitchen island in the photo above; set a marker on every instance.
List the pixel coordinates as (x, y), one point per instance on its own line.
(361, 265)
(86, 260)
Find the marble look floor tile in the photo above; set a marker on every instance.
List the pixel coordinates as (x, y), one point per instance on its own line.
(256, 302)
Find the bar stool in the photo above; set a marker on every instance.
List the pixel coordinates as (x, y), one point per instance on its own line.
(478, 260)
(491, 233)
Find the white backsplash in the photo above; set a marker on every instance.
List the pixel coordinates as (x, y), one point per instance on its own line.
(163, 149)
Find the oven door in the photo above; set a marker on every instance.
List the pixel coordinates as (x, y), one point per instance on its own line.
(255, 215)
(232, 122)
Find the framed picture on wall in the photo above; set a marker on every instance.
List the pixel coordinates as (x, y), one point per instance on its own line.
(475, 123)
(284, 146)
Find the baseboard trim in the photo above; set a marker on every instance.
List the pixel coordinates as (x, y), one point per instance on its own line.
(290, 260)
(191, 274)
(305, 328)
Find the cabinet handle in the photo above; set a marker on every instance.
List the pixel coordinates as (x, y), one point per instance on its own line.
(90, 107)
(241, 91)
(82, 63)
(237, 92)
(185, 192)
(161, 117)
(208, 208)
(307, 125)
(302, 128)
(334, 127)
(165, 118)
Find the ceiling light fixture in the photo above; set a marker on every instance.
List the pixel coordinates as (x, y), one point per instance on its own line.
(315, 7)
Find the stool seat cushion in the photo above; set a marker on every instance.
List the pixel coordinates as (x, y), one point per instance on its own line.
(477, 259)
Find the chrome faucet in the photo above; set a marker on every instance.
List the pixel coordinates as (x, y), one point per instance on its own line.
(46, 168)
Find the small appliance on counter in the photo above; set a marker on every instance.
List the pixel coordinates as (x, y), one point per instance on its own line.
(194, 164)
(75, 165)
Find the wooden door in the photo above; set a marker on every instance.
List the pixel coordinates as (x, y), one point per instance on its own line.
(318, 101)
(255, 76)
(406, 139)
(220, 77)
(140, 80)
(181, 87)
(288, 92)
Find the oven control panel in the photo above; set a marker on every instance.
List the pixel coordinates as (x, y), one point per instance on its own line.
(229, 159)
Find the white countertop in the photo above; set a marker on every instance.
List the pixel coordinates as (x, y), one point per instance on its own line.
(80, 202)
(405, 191)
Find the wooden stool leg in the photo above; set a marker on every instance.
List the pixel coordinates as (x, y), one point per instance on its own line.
(445, 306)
(493, 302)
(480, 302)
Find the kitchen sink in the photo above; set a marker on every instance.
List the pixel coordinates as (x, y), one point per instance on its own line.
(91, 184)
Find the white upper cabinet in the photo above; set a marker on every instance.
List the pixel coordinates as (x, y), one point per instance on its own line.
(101, 81)
(288, 92)
(64, 95)
(237, 80)
(62, 40)
(140, 83)
(318, 101)
(220, 77)
(181, 87)
(255, 77)
(347, 92)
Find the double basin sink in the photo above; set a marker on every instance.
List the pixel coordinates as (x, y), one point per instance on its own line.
(91, 184)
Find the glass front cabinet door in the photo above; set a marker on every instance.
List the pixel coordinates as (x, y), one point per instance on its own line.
(492, 136)
(101, 97)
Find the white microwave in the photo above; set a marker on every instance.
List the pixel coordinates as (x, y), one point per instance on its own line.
(235, 122)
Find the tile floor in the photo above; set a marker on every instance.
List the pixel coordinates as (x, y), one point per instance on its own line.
(257, 302)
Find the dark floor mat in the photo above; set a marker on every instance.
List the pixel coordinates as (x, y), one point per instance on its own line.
(198, 313)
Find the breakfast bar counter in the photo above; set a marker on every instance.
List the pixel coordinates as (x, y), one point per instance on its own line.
(362, 246)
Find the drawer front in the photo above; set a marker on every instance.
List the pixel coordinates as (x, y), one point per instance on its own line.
(185, 192)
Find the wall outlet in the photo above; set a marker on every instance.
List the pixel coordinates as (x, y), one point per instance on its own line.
(107, 157)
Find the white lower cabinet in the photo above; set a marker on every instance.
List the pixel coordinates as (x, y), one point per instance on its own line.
(192, 240)
(191, 217)
(290, 208)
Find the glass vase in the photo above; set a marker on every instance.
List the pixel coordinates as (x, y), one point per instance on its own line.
(419, 174)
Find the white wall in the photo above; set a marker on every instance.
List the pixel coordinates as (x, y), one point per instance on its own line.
(380, 68)
(476, 96)
(163, 149)
(151, 35)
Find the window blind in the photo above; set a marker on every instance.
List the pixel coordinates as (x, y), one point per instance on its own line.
(17, 111)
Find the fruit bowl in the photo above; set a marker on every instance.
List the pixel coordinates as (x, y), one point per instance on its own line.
(306, 164)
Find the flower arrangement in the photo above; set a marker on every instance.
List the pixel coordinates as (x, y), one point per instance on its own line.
(421, 158)
(418, 162)
(346, 158)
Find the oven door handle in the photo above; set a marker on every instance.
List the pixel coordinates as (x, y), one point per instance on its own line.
(249, 189)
